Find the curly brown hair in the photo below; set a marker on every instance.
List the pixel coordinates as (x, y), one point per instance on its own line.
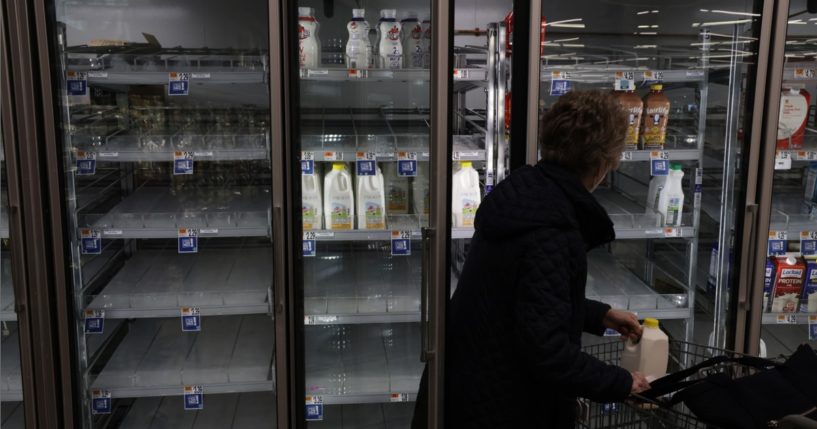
(584, 131)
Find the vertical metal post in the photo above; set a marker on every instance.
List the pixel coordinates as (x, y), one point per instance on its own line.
(534, 78)
(491, 110)
(501, 71)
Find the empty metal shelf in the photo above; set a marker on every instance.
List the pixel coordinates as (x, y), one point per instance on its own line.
(238, 411)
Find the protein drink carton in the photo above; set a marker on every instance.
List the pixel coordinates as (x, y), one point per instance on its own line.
(768, 281)
(788, 285)
(808, 303)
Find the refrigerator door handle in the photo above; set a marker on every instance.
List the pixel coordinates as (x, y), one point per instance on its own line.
(749, 231)
(425, 352)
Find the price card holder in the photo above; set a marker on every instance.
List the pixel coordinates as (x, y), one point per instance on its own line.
(193, 398)
(803, 73)
(786, 319)
(460, 74)
(314, 409)
(812, 328)
(86, 163)
(401, 243)
(559, 84)
(407, 164)
(670, 232)
(182, 163)
(188, 240)
(489, 182)
(778, 243)
(191, 319)
(101, 402)
(332, 156)
(399, 397)
(357, 73)
(659, 163)
(626, 155)
(808, 243)
(178, 83)
(366, 164)
(651, 77)
(782, 160)
(76, 83)
(698, 190)
(307, 163)
(310, 244)
(94, 321)
(624, 81)
(90, 241)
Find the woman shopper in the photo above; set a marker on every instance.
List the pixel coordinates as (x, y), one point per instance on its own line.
(514, 325)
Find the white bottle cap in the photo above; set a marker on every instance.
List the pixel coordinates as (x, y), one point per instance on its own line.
(305, 11)
(358, 13)
(388, 13)
(791, 260)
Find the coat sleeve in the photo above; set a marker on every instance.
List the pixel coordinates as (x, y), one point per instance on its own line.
(542, 326)
(594, 313)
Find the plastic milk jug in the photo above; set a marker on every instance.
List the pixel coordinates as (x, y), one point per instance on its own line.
(311, 201)
(371, 202)
(309, 46)
(466, 195)
(657, 184)
(671, 198)
(358, 47)
(397, 190)
(339, 198)
(389, 47)
(412, 40)
(650, 355)
(420, 196)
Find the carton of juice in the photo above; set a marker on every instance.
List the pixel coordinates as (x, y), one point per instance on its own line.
(808, 303)
(788, 284)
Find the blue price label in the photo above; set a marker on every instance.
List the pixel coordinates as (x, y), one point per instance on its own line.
(90, 241)
(307, 167)
(366, 164)
(94, 321)
(310, 248)
(401, 243)
(812, 328)
(188, 240)
(778, 243)
(407, 164)
(86, 163)
(808, 243)
(193, 398)
(559, 87)
(76, 83)
(314, 409)
(182, 163)
(659, 167)
(101, 402)
(178, 84)
(191, 319)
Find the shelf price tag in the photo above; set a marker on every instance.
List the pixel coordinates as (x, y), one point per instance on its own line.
(782, 160)
(76, 83)
(314, 408)
(802, 73)
(366, 164)
(188, 240)
(653, 76)
(786, 319)
(659, 163)
(802, 155)
(178, 83)
(489, 182)
(310, 244)
(101, 402)
(90, 241)
(808, 243)
(671, 232)
(307, 163)
(191, 319)
(460, 74)
(812, 327)
(333, 156)
(624, 81)
(401, 243)
(778, 242)
(399, 397)
(627, 155)
(182, 163)
(559, 83)
(193, 398)
(407, 164)
(698, 190)
(357, 73)
(94, 321)
(86, 163)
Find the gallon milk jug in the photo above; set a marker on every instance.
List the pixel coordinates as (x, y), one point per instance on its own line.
(371, 202)
(339, 199)
(412, 41)
(389, 47)
(466, 195)
(311, 201)
(420, 196)
(650, 355)
(397, 190)
(358, 47)
(657, 184)
(671, 197)
(309, 46)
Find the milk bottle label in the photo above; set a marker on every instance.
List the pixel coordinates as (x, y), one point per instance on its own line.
(414, 45)
(391, 48)
(341, 217)
(310, 216)
(469, 212)
(655, 131)
(374, 216)
(673, 211)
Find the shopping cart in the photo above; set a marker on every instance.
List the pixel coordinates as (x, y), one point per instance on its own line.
(638, 415)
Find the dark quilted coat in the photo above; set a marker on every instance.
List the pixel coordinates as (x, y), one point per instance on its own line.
(513, 340)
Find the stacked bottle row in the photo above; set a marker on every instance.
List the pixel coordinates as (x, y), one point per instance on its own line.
(397, 45)
(647, 119)
(340, 202)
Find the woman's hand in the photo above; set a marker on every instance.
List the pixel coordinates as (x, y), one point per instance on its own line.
(623, 322)
(640, 383)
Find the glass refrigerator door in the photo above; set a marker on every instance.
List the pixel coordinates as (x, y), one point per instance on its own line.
(11, 383)
(365, 128)
(681, 74)
(166, 150)
(789, 303)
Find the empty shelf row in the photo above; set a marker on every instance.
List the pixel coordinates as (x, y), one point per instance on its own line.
(11, 380)
(7, 312)
(238, 411)
(585, 74)
(13, 415)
